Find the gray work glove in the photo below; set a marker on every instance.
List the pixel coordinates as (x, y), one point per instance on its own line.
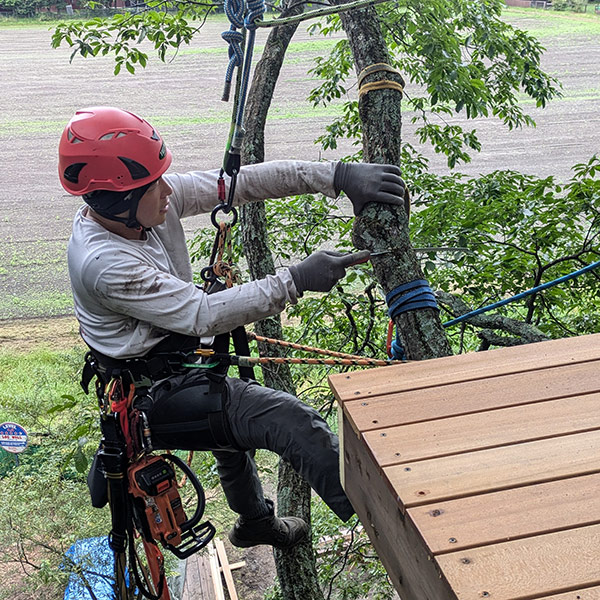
(365, 182)
(322, 270)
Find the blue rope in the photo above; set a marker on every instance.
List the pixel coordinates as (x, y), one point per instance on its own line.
(530, 292)
(408, 296)
(235, 9)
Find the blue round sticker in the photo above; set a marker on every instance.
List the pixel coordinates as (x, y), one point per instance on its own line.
(13, 438)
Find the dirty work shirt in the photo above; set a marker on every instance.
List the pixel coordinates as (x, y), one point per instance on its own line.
(130, 294)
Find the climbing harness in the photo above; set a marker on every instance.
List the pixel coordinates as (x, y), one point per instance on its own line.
(140, 487)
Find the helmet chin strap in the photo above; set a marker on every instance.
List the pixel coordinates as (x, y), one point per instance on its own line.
(109, 204)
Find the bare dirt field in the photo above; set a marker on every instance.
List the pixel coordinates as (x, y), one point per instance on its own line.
(41, 90)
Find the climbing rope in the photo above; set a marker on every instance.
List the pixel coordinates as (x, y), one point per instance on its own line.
(241, 16)
(530, 292)
(249, 361)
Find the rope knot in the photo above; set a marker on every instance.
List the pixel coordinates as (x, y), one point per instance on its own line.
(256, 9)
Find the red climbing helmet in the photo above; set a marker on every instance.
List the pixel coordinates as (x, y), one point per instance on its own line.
(105, 148)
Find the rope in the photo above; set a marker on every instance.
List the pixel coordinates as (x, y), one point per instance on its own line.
(248, 361)
(530, 292)
(235, 9)
(382, 84)
(410, 296)
(285, 344)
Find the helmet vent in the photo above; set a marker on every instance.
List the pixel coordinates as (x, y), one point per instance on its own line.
(71, 137)
(120, 135)
(163, 151)
(136, 170)
(106, 136)
(154, 136)
(71, 173)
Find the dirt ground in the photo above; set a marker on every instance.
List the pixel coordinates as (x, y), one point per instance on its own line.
(41, 90)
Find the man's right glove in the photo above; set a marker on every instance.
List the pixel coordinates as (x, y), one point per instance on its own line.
(366, 182)
(322, 270)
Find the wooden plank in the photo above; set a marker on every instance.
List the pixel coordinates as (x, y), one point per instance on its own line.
(472, 396)
(198, 583)
(592, 593)
(528, 568)
(396, 540)
(395, 445)
(427, 481)
(225, 569)
(466, 367)
(215, 573)
(509, 514)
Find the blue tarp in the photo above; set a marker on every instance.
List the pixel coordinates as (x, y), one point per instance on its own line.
(96, 561)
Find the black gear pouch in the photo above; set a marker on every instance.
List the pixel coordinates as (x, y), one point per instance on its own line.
(96, 482)
(189, 412)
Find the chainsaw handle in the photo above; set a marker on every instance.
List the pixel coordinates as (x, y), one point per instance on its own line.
(195, 518)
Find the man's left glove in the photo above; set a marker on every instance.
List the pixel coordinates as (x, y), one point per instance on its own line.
(366, 182)
(322, 270)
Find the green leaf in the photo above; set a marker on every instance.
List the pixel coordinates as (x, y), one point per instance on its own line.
(80, 461)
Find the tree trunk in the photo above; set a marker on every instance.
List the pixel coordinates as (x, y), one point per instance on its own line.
(386, 228)
(296, 568)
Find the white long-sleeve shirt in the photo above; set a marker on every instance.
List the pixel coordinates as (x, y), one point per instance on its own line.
(130, 294)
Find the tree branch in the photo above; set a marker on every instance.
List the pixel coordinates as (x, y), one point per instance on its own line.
(321, 12)
(524, 331)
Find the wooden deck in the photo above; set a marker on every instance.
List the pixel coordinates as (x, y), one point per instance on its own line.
(478, 476)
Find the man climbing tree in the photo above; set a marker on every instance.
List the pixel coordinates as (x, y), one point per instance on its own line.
(143, 317)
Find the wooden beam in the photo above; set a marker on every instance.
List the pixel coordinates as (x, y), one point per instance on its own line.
(215, 572)
(226, 569)
(397, 542)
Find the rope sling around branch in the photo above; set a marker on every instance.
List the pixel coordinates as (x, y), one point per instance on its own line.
(382, 84)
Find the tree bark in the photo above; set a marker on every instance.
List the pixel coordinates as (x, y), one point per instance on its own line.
(296, 569)
(383, 228)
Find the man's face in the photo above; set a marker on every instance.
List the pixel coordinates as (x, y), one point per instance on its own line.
(154, 204)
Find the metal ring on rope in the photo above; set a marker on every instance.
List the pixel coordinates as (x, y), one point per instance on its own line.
(227, 210)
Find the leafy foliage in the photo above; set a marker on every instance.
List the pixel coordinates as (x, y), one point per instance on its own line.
(25, 8)
(458, 55)
(122, 33)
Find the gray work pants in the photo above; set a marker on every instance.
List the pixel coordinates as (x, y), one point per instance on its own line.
(258, 417)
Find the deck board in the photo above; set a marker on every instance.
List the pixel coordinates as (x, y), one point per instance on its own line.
(395, 445)
(457, 524)
(496, 469)
(452, 399)
(526, 568)
(473, 366)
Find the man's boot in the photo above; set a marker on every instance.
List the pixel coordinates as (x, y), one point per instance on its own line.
(280, 533)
